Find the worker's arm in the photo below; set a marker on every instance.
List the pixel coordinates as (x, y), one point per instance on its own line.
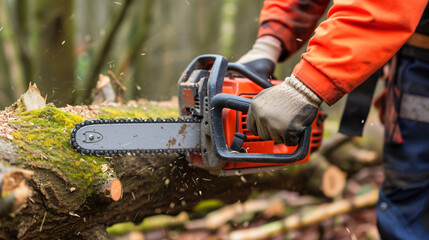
(285, 25)
(290, 21)
(357, 39)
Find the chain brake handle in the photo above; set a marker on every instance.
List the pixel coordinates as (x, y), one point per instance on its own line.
(218, 101)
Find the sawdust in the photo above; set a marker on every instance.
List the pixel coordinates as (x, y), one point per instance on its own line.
(91, 111)
(6, 130)
(172, 103)
(84, 111)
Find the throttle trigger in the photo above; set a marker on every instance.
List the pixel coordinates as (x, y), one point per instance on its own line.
(237, 142)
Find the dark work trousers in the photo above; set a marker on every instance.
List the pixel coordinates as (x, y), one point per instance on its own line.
(403, 206)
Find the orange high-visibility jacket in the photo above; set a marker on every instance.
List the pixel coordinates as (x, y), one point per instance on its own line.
(356, 39)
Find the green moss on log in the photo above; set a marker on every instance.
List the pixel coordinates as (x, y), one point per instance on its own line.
(148, 111)
(43, 137)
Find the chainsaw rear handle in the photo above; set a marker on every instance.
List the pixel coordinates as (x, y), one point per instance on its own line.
(221, 101)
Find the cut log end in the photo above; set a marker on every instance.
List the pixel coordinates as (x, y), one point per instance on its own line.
(116, 190)
(111, 189)
(333, 181)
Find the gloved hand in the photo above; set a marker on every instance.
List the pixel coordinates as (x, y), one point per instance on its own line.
(263, 56)
(281, 113)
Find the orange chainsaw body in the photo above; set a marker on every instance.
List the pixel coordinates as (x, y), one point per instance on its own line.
(209, 79)
(235, 121)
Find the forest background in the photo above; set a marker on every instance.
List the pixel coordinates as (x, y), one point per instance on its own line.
(63, 45)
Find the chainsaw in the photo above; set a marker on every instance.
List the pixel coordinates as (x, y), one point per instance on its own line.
(211, 133)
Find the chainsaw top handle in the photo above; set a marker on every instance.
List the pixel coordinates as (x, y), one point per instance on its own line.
(218, 66)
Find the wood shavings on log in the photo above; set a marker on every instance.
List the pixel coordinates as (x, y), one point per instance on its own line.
(6, 131)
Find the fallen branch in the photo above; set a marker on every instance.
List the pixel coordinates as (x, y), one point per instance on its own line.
(149, 223)
(316, 177)
(218, 218)
(351, 158)
(334, 143)
(306, 217)
(351, 154)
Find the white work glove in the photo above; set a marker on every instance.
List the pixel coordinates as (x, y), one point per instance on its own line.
(281, 113)
(263, 56)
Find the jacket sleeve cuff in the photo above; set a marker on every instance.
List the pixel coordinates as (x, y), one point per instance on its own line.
(282, 33)
(318, 82)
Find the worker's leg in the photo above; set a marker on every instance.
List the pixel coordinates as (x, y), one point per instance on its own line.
(403, 207)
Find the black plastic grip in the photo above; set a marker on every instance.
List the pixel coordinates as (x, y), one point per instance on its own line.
(221, 101)
(245, 71)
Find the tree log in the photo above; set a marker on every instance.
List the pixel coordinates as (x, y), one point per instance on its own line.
(347, 154)
(316, 177)
(76, 196)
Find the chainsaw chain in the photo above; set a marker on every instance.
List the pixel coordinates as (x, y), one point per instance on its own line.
(131, 152)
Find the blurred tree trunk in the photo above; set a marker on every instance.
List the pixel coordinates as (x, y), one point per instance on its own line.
(6, 96)
(20, 22)
(180, 31)
(207, 22)
(54, 45)
(153, 45)
(138, 33)
(102, 52)
(246, 27)
(13, 80)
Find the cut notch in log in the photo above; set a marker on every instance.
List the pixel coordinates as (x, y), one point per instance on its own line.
(33, 99)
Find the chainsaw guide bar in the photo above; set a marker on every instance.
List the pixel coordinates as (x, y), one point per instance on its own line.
(137, 136)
